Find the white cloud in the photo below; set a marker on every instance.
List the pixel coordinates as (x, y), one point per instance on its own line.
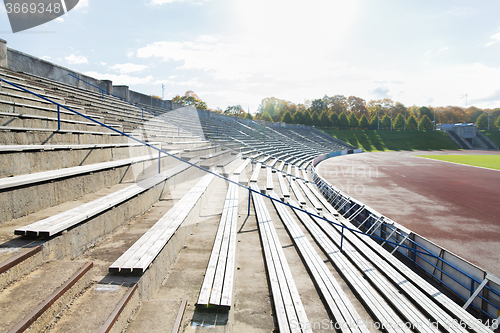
(207, 39)
(128, 68)
(193, 83)
(46, 58)
(120, 79)
(272, 48)
(461, 11)
(496, 39)
(446, 48)
(59, 19)
(83, 5)
(161, 2)
(76, 60)
(447, 85)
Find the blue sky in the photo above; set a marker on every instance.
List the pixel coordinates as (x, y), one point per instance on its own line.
(230, 52)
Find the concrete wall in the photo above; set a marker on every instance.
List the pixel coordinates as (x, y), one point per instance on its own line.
(139, 98)
(467, 132)
(21, 62)
(3, 53)
(122, 91)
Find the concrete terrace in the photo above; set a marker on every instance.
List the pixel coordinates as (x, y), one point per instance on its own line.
(102, 233)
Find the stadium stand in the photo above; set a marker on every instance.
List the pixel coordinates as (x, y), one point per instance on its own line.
(99, 196)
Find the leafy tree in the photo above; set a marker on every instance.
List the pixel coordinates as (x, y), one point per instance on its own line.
(298, 118)
(494, 114)
(411, 123)
(235, 110)
(343, 121)
(356, 104)
(308, 119)
(374, 122)
(287, 118)
(425, 111)
(353, 121)
(482, 121)
(425, 122)
(497, 122)
(318, 105)
(399, 122)
(334, 120)
(363, 122)
(267, 117)
(450, 114)
(315, 119)
(324, 120)
(399, 108)
(338, 104)
(190, 98)
(249, 116)
(473, 113)
(385, 122)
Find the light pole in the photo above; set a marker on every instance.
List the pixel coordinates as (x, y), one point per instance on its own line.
(404, 129)
(488, 120)
(418, 120)
(162, 91)
(378, 119)
(391, 119)
(434, 119)
(465, 107)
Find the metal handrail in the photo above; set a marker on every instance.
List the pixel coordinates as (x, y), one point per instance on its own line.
(189, 163)
(343, 228)
(159, 116)
(324, 184)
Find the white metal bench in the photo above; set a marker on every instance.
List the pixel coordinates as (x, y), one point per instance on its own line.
(63, 221)
(141, 254)
(217, 284)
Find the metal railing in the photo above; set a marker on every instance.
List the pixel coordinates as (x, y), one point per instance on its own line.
(443, 271)
(104, 92)
(327, 189)
(161, 151)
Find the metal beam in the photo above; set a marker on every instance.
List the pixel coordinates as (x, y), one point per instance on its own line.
(478, 290)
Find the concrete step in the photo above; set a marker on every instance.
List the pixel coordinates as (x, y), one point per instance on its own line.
(26, 159)
(29, 198)
(20, 299)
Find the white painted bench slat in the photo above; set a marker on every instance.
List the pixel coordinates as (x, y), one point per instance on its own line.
(218, 281)
(379, 307)
(344, 313)
(38, 177)
(142, 253)
(255, 174)
(57, 223)
(289, 307)
(432, 292)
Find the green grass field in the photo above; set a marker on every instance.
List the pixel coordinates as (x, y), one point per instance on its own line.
(371, 140)
(493, 135)
(485, 161)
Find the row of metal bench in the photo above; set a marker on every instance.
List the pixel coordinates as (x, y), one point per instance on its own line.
(217, 284)
(70, 218)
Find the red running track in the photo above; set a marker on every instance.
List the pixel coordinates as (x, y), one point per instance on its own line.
(455, 206)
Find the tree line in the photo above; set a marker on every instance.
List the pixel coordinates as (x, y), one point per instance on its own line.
(355, 113)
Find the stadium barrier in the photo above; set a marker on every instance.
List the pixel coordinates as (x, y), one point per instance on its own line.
(472, 287)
